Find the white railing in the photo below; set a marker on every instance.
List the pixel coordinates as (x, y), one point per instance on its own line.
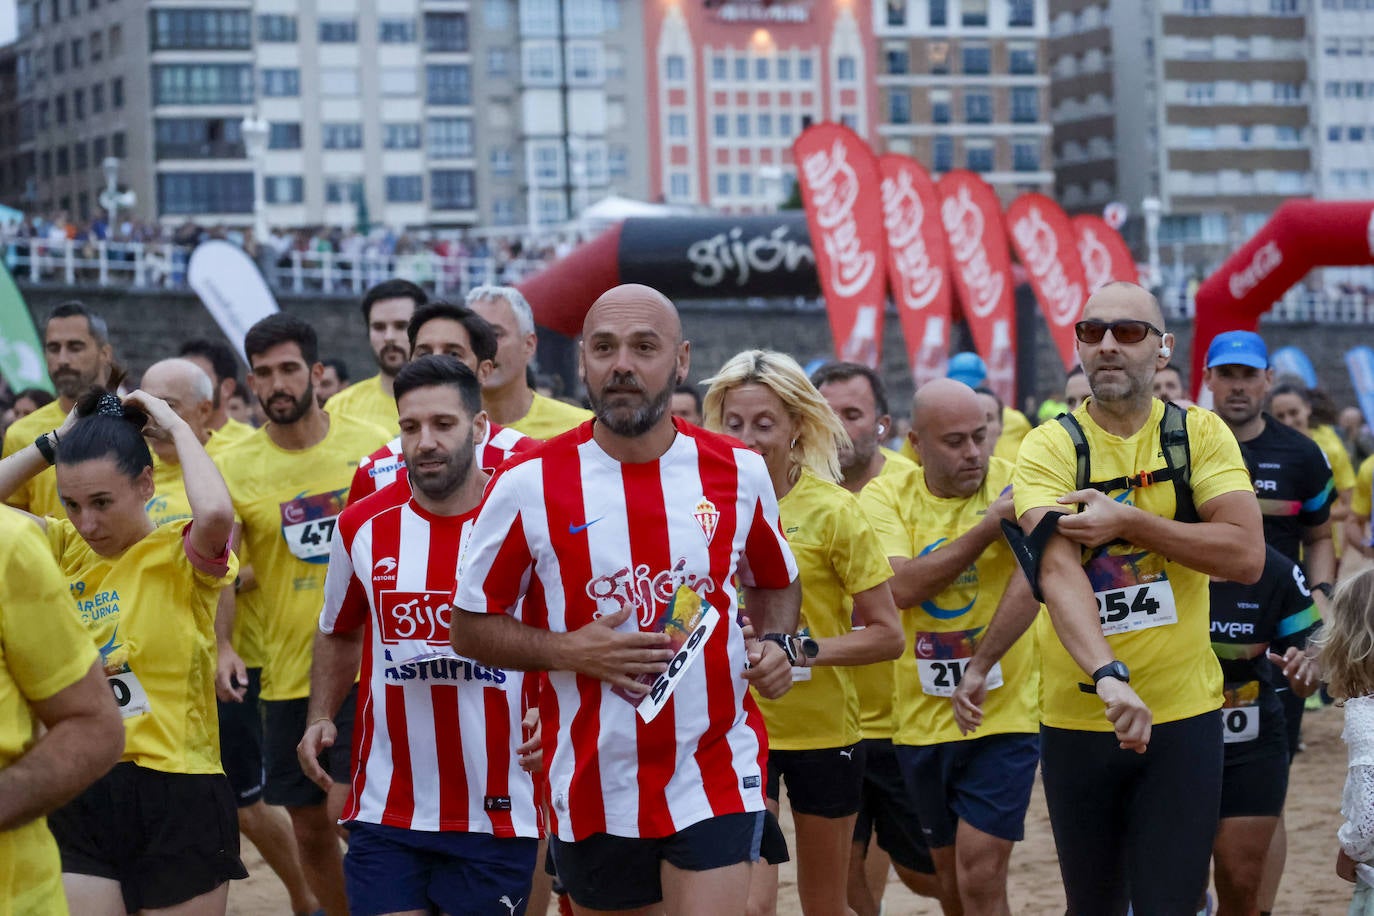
(1296, 306)
(162, 265)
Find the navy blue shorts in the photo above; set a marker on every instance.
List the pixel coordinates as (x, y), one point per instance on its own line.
(390, 870)
(824, 783)
(240, 743)
(985, 782)
(605, 872)
(888, 812)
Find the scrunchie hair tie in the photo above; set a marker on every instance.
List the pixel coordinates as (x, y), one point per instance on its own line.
(109, 406)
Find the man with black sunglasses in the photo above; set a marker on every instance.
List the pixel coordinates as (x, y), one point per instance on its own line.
(1126, 660)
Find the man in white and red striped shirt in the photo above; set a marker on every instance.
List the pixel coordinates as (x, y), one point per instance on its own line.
(440, 811)
(457, 331)
(631, 531)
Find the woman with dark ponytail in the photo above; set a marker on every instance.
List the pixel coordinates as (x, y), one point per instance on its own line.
(160, 829)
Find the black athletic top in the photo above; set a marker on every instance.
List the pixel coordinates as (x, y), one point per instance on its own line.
(1293, 483)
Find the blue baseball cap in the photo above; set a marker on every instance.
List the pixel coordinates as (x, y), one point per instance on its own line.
(1238, 348)
(967, 368)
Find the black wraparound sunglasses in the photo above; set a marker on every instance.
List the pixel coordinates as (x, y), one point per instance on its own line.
(1126, 330)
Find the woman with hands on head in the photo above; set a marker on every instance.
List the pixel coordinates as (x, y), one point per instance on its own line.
(160, 829)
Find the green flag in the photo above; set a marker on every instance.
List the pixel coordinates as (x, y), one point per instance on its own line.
(21, 353)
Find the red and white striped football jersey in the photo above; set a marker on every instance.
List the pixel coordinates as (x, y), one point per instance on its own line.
(384, 466)
(584, 536)
(434, 744)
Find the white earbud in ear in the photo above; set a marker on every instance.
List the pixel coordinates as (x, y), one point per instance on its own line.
(881, 429)
(1166, 352)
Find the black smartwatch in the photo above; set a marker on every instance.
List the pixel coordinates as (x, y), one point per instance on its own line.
(1323, 587)
(1115, 668)
(799, 649)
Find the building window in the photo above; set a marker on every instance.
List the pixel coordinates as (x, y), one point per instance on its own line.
(539, 62)
(674, 68)
(804, 69)
(977, 107)
(1355, 134)
(765, 125)
(284, 189)
(679, 186)
(400, 136)
(978, 155)
(942, 154)
(208, 30)
(342, 190)
(784, 69)
(939, 13)
(1025, 104)
(284, 135)
(97, 98)
(281, 82)
(503, 211)
(1022, 13)
(117, 91)
(340, 82)
(452, 189)
(539, 17)
(548, 163)
(198, 84)
(1201, 93)
(1021, 58)
(741, 69)
(975, 13)
(334, 30)
(896, 12)
(677, 126)
(446, 32)
(396, 31)
(98, 147)
(844, 69)
(405, 189)
(79, 104)
(198, 138)
(741, 125)
(977, 58)
(343, 136)
(496, 14)
(498, 62)
(400, 81)
(198, 193)
(898, 106)
(1025, 155)
(97, 46)
(450, 138)
(502, 162)
(60, 109)
(746, 184)
(274, 27)
(78, 54)
(618, 162)
(785, 126)
(117, 144)
(898, 60)
(1333, 133)
(81, 154)
(448, 84)
(719, 71)
(59, 59)
(584, 62)
(116, 40)
(723, 184)
(720, 126)
(940, 107)
(761, 69)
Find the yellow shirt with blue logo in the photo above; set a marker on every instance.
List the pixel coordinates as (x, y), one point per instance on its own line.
(43, 651)
(1155, 610)
(151, 613)
(942, 633)
(837, 557)
(288, 503)
(874, 682)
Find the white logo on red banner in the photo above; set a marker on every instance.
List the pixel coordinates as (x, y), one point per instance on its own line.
(1265, 260)
(918, 279)
(964, 225)
(1038, 246)
(834, 188)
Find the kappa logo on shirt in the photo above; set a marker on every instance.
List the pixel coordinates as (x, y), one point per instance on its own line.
(385, 467)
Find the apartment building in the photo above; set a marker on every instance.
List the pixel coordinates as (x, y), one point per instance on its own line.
(965, 84)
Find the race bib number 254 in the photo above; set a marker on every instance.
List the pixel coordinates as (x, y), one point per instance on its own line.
(1136, 607)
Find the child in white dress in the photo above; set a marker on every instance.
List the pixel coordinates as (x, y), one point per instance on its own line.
(1347, 663)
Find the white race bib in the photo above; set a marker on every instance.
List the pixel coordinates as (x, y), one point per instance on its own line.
(942, 659)
(1136, 607)
(310, 540)
(1240, 724)
(801, 674)
(129, 694)
(664, 685)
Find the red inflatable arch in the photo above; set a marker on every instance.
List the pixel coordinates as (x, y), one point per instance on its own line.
(1301, 235)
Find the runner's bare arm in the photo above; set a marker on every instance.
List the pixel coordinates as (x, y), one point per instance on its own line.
(880, 640)
(84, 738)
(17, 469)
(231, 674)
(1227, 543)
(1319, 558)
(917, 579)
(1014, 615)
(336, 659)
(597, 649)
(774, 610)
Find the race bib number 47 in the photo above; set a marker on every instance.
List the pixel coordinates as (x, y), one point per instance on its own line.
(307, 524)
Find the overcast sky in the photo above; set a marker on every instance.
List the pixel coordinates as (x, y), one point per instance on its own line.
(6, 21)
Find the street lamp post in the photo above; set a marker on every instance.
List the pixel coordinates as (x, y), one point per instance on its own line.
(110, 198)
(255, 131)
(1152, 206)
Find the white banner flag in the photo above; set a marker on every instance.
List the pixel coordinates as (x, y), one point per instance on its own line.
(229, 284)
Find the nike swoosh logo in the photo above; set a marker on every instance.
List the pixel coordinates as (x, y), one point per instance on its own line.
(578, 529)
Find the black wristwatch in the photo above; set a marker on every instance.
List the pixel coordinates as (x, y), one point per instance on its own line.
(1323, 587)
(799, 649)
(1115, 668)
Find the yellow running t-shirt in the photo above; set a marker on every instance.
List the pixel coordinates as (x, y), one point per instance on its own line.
(368, 402)
(1342, 472)
(837, 557)
(287, 502)
(170, 504)
(43, 651)
(1361, 498)
(38, 494)
(874, 682)
(1157, 609)
(151, 612)
(548, 417)
(912, 522)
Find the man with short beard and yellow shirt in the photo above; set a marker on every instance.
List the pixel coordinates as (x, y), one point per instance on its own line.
(940, 527)
(289, 481)
(387, 308)
(857, 395)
